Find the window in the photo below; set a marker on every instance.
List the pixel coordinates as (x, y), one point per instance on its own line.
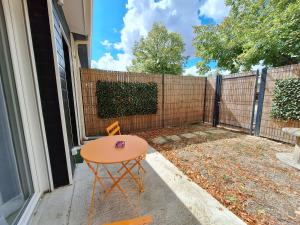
(15, 179)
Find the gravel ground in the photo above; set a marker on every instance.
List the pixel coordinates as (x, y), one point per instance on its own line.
(239, 170)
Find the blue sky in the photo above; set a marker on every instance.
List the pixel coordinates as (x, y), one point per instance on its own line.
(117, 24)
(107, 24)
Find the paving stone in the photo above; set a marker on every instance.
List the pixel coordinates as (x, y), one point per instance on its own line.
(159, 140)
(200, 133)
(173, 138)
(217, 131)
(188, 135)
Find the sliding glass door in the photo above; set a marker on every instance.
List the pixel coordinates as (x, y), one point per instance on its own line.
(15, 179)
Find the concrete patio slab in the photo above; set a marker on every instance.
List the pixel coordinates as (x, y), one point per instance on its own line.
(188, 135)
(173, 138)
(159, 140)
(288, 158)
(54, 208)
(169, 197)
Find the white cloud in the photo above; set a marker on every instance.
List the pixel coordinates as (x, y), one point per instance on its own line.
(215, 9)
(118, 46)
(217, 71)
(191, 71)
(194, 71)
(107, 62)
(177, 15)
(259, 66)
(106, 43)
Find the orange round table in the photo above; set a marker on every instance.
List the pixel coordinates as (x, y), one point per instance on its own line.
(103, 150)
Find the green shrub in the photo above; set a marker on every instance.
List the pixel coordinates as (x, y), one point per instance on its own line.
(117, 99)
(286, 99)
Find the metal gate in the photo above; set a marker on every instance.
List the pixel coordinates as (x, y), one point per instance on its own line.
(235, 100)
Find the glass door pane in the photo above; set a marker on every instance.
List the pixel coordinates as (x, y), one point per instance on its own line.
(11, 196)
(15, 178)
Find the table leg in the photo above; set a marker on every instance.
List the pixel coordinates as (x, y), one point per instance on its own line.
(117, 184)
(138, 161)
(91, 208)
(123, 167)
(140, 165)
(137, 181)
(95, 172)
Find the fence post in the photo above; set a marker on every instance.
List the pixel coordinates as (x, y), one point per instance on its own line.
(254, 103)
(163, 99)
(204, 104)
(217, 100)
(261, 95)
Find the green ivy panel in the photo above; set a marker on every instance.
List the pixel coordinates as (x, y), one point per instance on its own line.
(117, 99)
(286, 99)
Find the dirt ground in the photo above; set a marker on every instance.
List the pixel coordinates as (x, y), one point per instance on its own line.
(239, 170)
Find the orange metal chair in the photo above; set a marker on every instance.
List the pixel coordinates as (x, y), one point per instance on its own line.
(143, 220)
(115, 129)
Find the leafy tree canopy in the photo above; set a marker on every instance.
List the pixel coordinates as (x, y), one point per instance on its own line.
(255, 30)
(160, 52)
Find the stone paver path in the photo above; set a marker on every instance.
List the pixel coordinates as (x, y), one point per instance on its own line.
(159, 140)
(200, 133)
(188, 135)
(173, 138)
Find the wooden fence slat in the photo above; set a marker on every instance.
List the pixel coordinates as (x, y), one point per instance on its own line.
(272, 128)
(184, 99)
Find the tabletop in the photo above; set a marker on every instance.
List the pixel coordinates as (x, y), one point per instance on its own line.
(103, 150)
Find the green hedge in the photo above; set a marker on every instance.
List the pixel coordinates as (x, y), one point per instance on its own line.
(286, 99)
(117, 99)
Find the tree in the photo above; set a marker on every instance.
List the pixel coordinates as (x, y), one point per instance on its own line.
(254, 30)
(160, 52)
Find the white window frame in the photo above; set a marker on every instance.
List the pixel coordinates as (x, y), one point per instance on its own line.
(23, 63)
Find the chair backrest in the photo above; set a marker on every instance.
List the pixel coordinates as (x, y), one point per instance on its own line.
(113, 129)
(143, 220)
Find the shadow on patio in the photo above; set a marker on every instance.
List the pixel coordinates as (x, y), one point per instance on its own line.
(169, 197)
